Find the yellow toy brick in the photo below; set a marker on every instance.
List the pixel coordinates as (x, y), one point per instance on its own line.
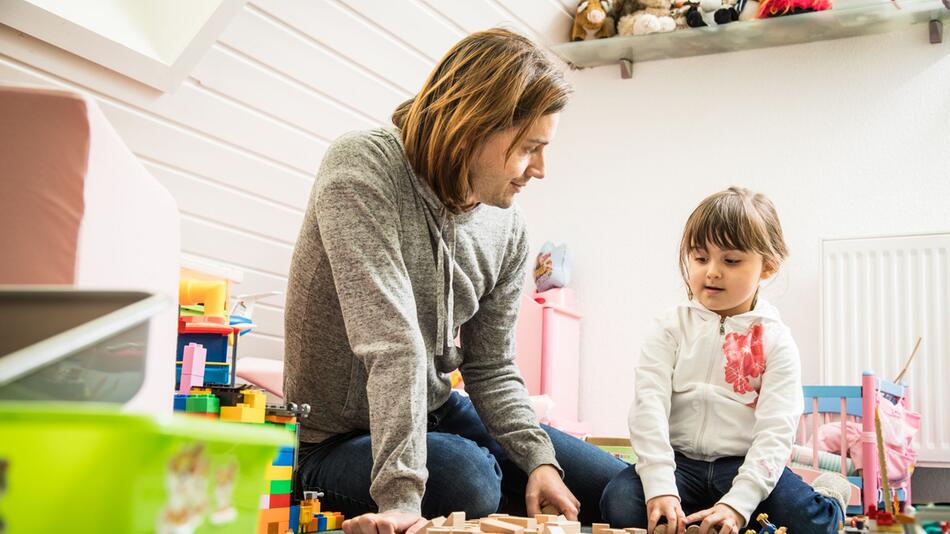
(255, 399)
(279, 472)
(242, 413)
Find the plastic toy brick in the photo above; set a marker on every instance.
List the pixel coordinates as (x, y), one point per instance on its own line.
(275, 515)
(284, 457)
(282, 419)
(321, 522)
(278, 472)
(202, 404)
(180, 401)
(229, 395)
(242, 413)
(217, 374)
(280, 500)
(256, 399)
(278, 487)
(294, 518)
(193, 359)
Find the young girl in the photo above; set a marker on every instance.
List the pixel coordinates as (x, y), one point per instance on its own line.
(719, 393)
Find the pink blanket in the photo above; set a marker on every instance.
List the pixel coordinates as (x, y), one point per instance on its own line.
(898, 427)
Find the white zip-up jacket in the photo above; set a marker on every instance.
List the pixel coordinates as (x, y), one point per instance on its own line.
(711, 387)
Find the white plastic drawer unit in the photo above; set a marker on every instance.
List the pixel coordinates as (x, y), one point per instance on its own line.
(77, 345)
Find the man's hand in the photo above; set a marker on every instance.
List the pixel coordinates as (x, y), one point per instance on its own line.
(384, 523)
(721, 515)
(669, 507)
(546, 489)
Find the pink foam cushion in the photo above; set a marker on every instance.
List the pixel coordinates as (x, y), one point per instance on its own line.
(44, 149)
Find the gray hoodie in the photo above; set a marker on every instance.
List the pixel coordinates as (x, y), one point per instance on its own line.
(382, 280)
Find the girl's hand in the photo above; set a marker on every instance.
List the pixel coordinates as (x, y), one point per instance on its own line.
(722, 516)
(669, 507)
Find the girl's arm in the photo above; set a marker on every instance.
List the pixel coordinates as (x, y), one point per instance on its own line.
(649, 418)
(776, 418)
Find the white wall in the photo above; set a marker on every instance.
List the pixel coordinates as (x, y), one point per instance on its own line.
(238, 143)
(848, 137)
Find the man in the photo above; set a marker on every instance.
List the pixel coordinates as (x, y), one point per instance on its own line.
(407, 244)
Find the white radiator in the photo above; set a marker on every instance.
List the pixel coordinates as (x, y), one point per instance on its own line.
(877, 296)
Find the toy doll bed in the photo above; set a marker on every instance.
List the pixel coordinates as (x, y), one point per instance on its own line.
(844, 404)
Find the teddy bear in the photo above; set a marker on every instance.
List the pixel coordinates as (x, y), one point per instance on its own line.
(694, 13)
(640, 17)
(593, 20)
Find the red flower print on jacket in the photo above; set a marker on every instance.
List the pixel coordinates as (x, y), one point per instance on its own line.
(745, 360)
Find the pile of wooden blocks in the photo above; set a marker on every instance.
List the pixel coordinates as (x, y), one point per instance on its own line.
(501, 524)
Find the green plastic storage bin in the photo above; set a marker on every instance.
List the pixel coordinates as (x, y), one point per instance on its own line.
(89, 468)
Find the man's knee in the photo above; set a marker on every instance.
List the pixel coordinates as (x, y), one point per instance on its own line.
(622, 502)
(463, 477)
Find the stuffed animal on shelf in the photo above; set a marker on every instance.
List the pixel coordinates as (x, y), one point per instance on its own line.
(730, 11)
(777, 8)
(694, 13)
(640, 17)
(593, 20)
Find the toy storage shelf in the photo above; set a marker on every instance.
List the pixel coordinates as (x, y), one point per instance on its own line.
(866, 18)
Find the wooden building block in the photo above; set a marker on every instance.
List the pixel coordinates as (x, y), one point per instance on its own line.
(570, 527)
(455, 519)
(496, 526)
(523, 522)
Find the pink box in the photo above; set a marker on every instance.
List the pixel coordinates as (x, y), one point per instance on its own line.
(548, 352)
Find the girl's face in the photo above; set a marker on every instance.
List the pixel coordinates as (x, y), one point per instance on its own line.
(725, 281)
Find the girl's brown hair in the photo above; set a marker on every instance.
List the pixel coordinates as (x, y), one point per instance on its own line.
(488, 82)
(735, 219)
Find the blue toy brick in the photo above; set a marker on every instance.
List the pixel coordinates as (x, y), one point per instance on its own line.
(294, 518)
(180, 402)
(321, 522)
(215, 344)
(284, 458)
(217, 375)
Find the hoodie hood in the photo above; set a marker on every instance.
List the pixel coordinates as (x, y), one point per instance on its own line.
(443, 229)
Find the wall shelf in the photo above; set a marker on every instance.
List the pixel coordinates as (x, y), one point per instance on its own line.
(866, 18)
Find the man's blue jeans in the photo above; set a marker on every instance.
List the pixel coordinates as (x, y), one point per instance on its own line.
(793, 503)
(468, 470)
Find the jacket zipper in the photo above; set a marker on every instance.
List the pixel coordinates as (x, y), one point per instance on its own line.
(709, 371)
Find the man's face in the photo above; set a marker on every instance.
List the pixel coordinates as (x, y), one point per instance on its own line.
(496, 181)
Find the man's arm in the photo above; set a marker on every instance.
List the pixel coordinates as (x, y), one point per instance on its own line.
(491, 376)
(358, 222)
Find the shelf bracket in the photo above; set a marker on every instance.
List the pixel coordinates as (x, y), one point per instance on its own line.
(626, 68)
(936, 32)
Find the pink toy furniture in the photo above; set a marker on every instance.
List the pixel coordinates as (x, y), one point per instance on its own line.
(548, 354)
(826, 404)
(77, 208)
